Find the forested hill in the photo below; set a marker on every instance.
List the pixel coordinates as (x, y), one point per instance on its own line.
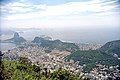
(107, 55)
(55, 44)
(112, 48)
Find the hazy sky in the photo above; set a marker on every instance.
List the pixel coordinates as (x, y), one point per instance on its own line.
(60, 13)
(92, 21)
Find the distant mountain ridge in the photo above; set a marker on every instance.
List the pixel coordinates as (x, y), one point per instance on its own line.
(55, 44)
(45, 42)
(16, 39)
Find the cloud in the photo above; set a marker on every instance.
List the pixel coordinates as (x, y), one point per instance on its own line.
(89, 21)
(23, 11)
(19, 8)
(88, 13)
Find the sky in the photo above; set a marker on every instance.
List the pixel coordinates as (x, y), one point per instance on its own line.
(87, 21)
(60, 13)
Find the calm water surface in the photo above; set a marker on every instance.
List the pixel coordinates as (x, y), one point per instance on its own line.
(6, 46)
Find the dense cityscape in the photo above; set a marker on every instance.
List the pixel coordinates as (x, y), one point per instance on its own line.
(55, 59)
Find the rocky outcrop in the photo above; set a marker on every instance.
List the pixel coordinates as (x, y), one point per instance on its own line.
(16, 39)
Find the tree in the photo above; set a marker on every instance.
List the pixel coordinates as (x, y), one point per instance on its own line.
(1, 67)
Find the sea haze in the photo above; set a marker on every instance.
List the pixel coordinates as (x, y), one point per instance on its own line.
(76, 35)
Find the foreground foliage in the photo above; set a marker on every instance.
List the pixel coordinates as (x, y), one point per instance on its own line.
(23, 70)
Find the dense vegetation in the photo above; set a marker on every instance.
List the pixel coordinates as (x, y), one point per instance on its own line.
(23, 70)
(104, 55)
(112, 48)
(91, 57)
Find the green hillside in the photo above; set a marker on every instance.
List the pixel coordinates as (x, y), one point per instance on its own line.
(92, 57)
(112, 47)
(104, 55)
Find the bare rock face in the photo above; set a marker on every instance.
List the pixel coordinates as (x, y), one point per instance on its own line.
(16, 35)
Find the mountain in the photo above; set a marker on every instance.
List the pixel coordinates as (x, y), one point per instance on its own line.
(16, 39)
(105, 55)
(92, 57)
(55, 44)
(112, 48)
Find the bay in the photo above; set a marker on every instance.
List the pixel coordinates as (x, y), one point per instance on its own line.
(6, 46)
